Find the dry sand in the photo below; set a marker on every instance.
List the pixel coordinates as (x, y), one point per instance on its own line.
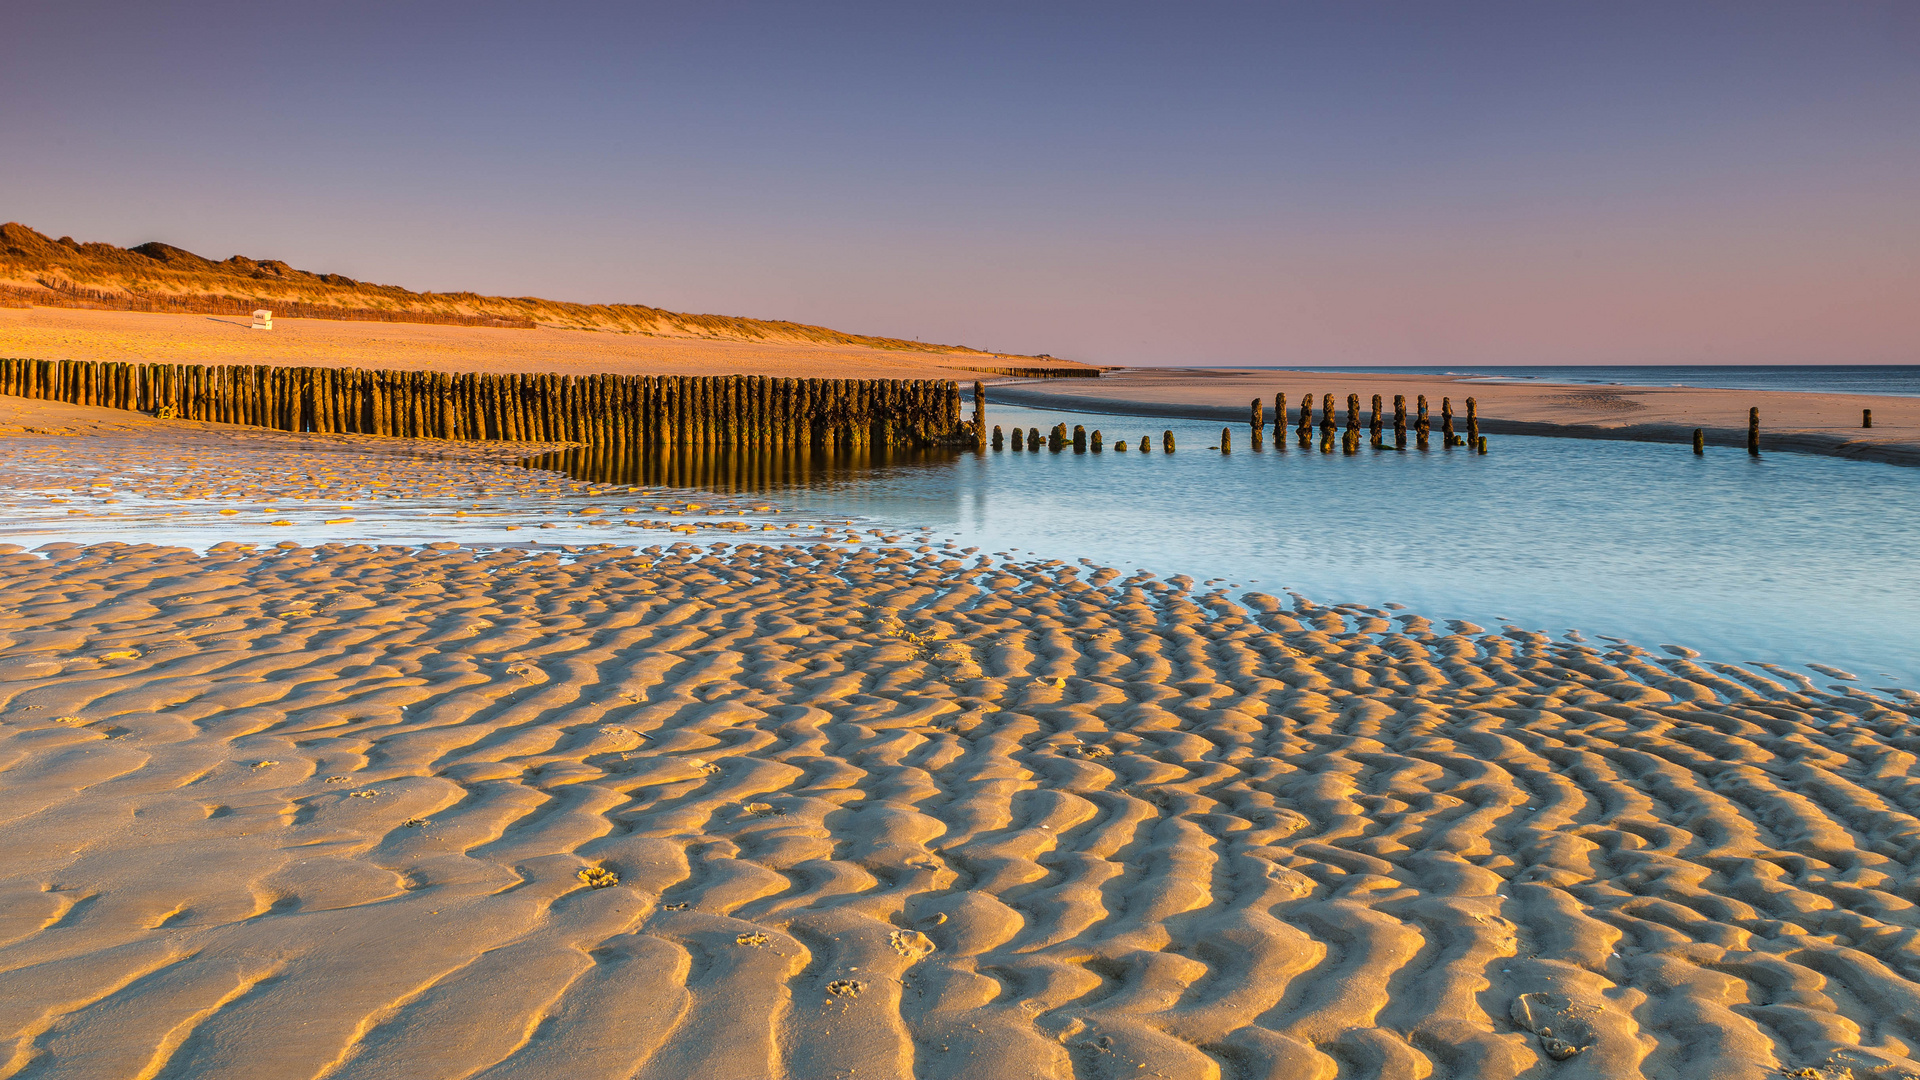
(71, 334)
(780, 811)
(1817, 423)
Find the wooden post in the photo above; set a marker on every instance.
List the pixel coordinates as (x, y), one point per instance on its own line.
(1098, 443)
(1446, 422)
(979, 415)
(1280, 421)
(1306, 414)
(1699, 441)
(1422, 424)
(1019, 440)
(1480, 443)
(1866, 418)
(1166, 442)
(1079, 438)
(1400, 421)
(1226, 440)
(1328, 423)
(1033, 440)
(1753, 431)
(997, 440)
(1473, 423)
(1256, 420)
(1146, 444)
(1353, 412)
(1373, 419)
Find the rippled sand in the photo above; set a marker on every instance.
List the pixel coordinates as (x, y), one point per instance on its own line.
(747, 812)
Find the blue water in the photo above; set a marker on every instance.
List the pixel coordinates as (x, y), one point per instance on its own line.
(1896, 380)
(1785, 559)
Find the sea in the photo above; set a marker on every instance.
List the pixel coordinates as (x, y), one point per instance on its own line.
(1893, 380)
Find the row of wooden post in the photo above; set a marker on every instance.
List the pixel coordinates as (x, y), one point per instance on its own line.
(515, 407)
(1329, 426)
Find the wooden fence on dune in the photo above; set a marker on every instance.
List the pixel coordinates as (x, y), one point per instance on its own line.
(516, 407)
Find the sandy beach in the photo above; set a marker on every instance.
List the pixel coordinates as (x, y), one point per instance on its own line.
(140, 337)
(1811, 423)
(893, 810)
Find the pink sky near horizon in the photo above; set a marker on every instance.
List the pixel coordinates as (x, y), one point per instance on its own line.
(1366, 183)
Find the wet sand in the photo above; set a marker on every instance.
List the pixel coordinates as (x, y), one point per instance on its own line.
(748, 811)
(1811, 423)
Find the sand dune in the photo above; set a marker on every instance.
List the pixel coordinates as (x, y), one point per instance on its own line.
(809, 812)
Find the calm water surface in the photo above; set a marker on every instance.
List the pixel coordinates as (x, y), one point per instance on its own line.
(1786, 559)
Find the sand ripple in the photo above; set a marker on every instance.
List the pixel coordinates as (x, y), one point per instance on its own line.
(343, 812)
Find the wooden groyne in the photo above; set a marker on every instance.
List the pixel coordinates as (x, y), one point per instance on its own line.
(668, 410)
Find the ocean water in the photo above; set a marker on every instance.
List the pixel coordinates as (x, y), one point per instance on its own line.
(1788, 559)
(1897, 380)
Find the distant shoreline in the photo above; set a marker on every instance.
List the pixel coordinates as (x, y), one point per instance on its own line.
(1798, 422)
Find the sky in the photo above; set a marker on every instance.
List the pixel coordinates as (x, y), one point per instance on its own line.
(1192, 183)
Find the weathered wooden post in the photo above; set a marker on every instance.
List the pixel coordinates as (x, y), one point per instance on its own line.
(1033, 439)
(1422, 424)
(1753, 431)
(1226, 440)
(1257, 421)
(1699, 441)
(1019, 440)
(1480, 443)
(1353, 412)
(1098, 443)
(1446, 423)
(1866, 418)
(1399, 421)
(1306, 416)
(1328, 423)
(1373, 419)
(1473, 423)
(1279, 421)
(979, 415)
(1079, 438)
(1166, 441)
(998, 441)
(1146, 444)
